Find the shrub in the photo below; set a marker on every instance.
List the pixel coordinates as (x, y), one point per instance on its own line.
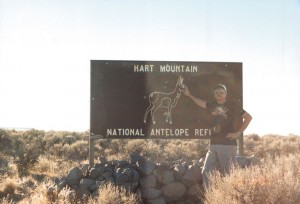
(276, 181)
(271, 145)
(9, 187)
(146, 148)
(110, 194)
(6, 142)
(185, 150)
(46, 196)
(76, 152)
(25, 155)
(6, 200)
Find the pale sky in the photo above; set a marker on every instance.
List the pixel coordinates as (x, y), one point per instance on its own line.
(46, 47)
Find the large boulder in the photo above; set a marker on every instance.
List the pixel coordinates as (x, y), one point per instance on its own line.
(242, 161)
(159, 200)
(102, 160)
(122, 164)
(94, 173)
(74, 176)
(131, 173)
(95, 186)
(164, 176)
(134, 157)
(179, 170)
(108, 171)
(60, 183)
(150, 193)
(186, 201)
(134, 175)
(85, 169)
(130, 186)
(192, 175)
(107, 174)
(247, 161)
(108, 168)
(193, 192)
(145, 167)
(173, 191)
(86, 182)
(148, 181)
(82, 193)
(121, 178)
(134, 178)
(127, 174)
(109, 180)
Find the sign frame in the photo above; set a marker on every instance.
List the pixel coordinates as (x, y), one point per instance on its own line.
(103, 93)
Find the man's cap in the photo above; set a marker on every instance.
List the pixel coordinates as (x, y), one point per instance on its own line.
(220, 86)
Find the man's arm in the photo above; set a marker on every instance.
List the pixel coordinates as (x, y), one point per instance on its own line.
(246, 120)
(198, 101)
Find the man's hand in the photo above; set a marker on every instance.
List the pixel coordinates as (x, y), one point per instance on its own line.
(234, 135)
(186, 91)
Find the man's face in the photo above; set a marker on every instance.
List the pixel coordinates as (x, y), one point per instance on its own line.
(220, 94)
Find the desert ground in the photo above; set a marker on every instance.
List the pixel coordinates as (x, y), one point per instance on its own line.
(35, 165)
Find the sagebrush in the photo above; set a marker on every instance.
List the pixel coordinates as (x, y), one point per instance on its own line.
(30, 160)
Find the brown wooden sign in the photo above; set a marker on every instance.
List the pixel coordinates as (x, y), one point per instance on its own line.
(144, 99)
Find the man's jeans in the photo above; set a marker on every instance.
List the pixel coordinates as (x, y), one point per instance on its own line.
(218, 157)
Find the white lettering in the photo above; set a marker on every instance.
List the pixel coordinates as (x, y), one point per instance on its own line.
(202, 132)
(124, 132)
(169, 132)
(143, 68)
(178, 68)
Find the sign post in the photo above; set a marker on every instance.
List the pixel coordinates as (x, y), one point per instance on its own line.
(91, 150)
(240, 149)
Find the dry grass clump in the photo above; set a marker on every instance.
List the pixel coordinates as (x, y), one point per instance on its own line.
(276, 181)
(25, 147)
(271, 145)
(108, 194)
(8, 187)
(76, 151)
(15, 189)
(6, 201)
(45, 164)
(121, 149)
(43, 195)
(111, 194)
(147, 148)
(187, 150)
(51, 166)
(162, 151)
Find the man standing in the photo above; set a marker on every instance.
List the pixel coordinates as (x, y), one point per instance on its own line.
(223, 145)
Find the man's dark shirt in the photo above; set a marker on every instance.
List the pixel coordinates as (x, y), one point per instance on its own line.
(225, 118)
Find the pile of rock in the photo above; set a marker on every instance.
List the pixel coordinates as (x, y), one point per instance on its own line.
(155, 183)
(168, 183)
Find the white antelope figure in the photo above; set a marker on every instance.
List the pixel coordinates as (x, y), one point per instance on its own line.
(164, 100)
